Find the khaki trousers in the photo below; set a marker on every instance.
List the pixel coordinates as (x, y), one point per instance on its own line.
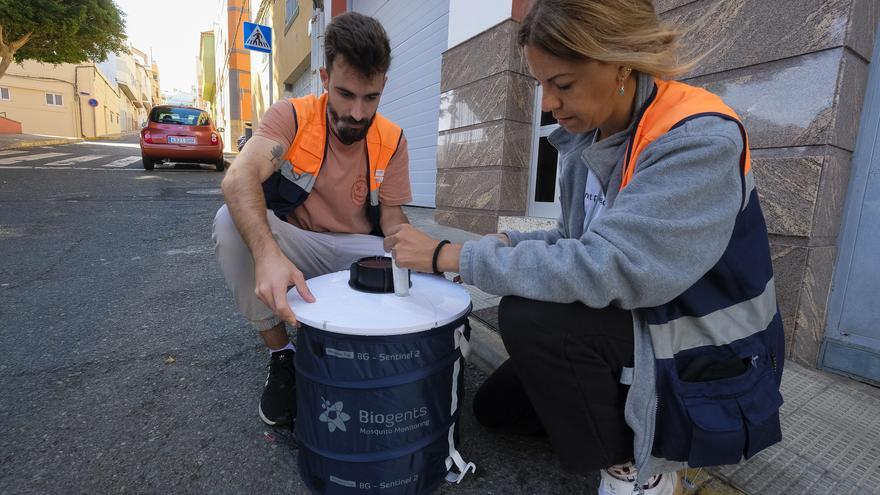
(314, 253)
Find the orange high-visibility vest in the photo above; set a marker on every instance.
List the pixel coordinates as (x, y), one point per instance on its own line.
(672, 105)
(290, 186)
(309, 149)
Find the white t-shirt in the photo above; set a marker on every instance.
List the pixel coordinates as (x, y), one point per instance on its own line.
(594, 196)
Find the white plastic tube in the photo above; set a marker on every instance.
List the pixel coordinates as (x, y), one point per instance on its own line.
(400, 277)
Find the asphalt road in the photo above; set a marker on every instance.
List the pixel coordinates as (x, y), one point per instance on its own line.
(124, 367)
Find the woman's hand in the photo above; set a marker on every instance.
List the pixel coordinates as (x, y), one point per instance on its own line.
(412, 248)
(502, 237)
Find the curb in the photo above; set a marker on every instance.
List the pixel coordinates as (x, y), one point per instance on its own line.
(488, 352)
(57, 141)
(107, 137)
(487, 349)
(31, 144)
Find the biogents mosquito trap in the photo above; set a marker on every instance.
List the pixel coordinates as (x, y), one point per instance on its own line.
(379, 381)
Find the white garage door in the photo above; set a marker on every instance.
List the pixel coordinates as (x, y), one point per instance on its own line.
(418, 33)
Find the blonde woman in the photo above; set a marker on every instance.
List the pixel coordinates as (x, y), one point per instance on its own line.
(643, 331)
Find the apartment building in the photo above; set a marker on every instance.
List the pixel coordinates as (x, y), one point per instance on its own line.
(232, 98)
(61, 100)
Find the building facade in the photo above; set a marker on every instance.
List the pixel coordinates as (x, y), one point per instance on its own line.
(263, 88)
(62, 100)
(42, 97)
(295, 74)
(232, 98)
(132, 73)
(206, 72)
(292, 71)
(154, 75)
(81, 100)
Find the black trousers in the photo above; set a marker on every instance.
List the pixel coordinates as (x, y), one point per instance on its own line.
(562, 378)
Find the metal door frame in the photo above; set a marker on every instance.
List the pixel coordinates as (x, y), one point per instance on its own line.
(535, 208)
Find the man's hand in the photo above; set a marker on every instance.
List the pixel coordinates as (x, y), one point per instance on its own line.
(274, 274)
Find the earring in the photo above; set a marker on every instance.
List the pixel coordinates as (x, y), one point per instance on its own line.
(622, 90)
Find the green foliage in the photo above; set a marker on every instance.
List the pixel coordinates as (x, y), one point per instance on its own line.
(64, 31)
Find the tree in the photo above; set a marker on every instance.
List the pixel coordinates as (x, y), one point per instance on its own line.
(59, 31)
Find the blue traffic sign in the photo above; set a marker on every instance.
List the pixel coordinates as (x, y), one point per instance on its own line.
(257, 37)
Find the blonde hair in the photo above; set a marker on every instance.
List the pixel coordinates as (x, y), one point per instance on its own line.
(626, 32)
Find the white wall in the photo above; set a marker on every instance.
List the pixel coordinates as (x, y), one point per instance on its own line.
(468, 18)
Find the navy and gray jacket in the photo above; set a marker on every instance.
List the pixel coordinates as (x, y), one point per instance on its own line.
(683, 246)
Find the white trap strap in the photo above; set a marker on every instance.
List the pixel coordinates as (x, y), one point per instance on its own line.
(455, 458)
(461, 342)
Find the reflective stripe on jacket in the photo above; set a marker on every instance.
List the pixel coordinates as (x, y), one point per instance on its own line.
(718, 347)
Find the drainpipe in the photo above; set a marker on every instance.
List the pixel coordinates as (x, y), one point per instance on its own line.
(316, 33)
(78, 102)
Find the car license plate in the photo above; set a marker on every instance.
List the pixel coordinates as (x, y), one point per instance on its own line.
(181, 140)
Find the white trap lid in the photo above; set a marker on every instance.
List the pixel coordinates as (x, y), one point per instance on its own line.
(433, 301)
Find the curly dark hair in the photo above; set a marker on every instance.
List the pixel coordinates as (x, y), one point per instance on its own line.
(360, 40)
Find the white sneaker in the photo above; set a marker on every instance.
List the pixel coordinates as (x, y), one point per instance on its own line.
(615, 486)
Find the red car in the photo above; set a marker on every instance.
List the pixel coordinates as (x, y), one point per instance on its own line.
(181, 134)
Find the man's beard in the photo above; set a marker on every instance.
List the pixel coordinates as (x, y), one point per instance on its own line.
(342, 126)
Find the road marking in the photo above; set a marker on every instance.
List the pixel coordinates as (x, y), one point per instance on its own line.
(11, 152)
(40, 167)
(122, 162)
(74, 159)
(27, 158)
(100, 143)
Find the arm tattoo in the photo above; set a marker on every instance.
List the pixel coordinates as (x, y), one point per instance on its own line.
(277, 153)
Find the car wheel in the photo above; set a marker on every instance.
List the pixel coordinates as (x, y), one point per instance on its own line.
(148, 163)
(220, 165)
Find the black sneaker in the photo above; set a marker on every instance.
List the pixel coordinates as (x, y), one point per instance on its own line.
(278, 403)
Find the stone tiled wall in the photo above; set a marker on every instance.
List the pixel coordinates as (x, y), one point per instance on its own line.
(795, 71)
(486, 106)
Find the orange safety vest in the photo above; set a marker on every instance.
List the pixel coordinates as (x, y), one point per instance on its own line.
(673, 104)
(291, 184)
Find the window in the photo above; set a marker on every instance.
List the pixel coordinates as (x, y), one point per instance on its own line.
(291, 10)
(4, 94)
(545, 180)
(179, 116)
(54, 99)
(543, 194)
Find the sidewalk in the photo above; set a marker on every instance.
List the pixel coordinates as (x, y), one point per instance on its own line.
(18, 141)
(831, 424)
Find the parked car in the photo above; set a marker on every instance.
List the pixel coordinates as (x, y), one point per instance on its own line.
(181, 134)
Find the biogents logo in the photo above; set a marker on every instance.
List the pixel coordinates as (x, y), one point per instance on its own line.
(333, 415)
(389, 420)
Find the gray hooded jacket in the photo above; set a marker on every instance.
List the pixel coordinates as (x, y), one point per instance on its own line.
(654, 240)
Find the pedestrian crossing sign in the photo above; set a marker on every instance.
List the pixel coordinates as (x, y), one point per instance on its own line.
(257, 37)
